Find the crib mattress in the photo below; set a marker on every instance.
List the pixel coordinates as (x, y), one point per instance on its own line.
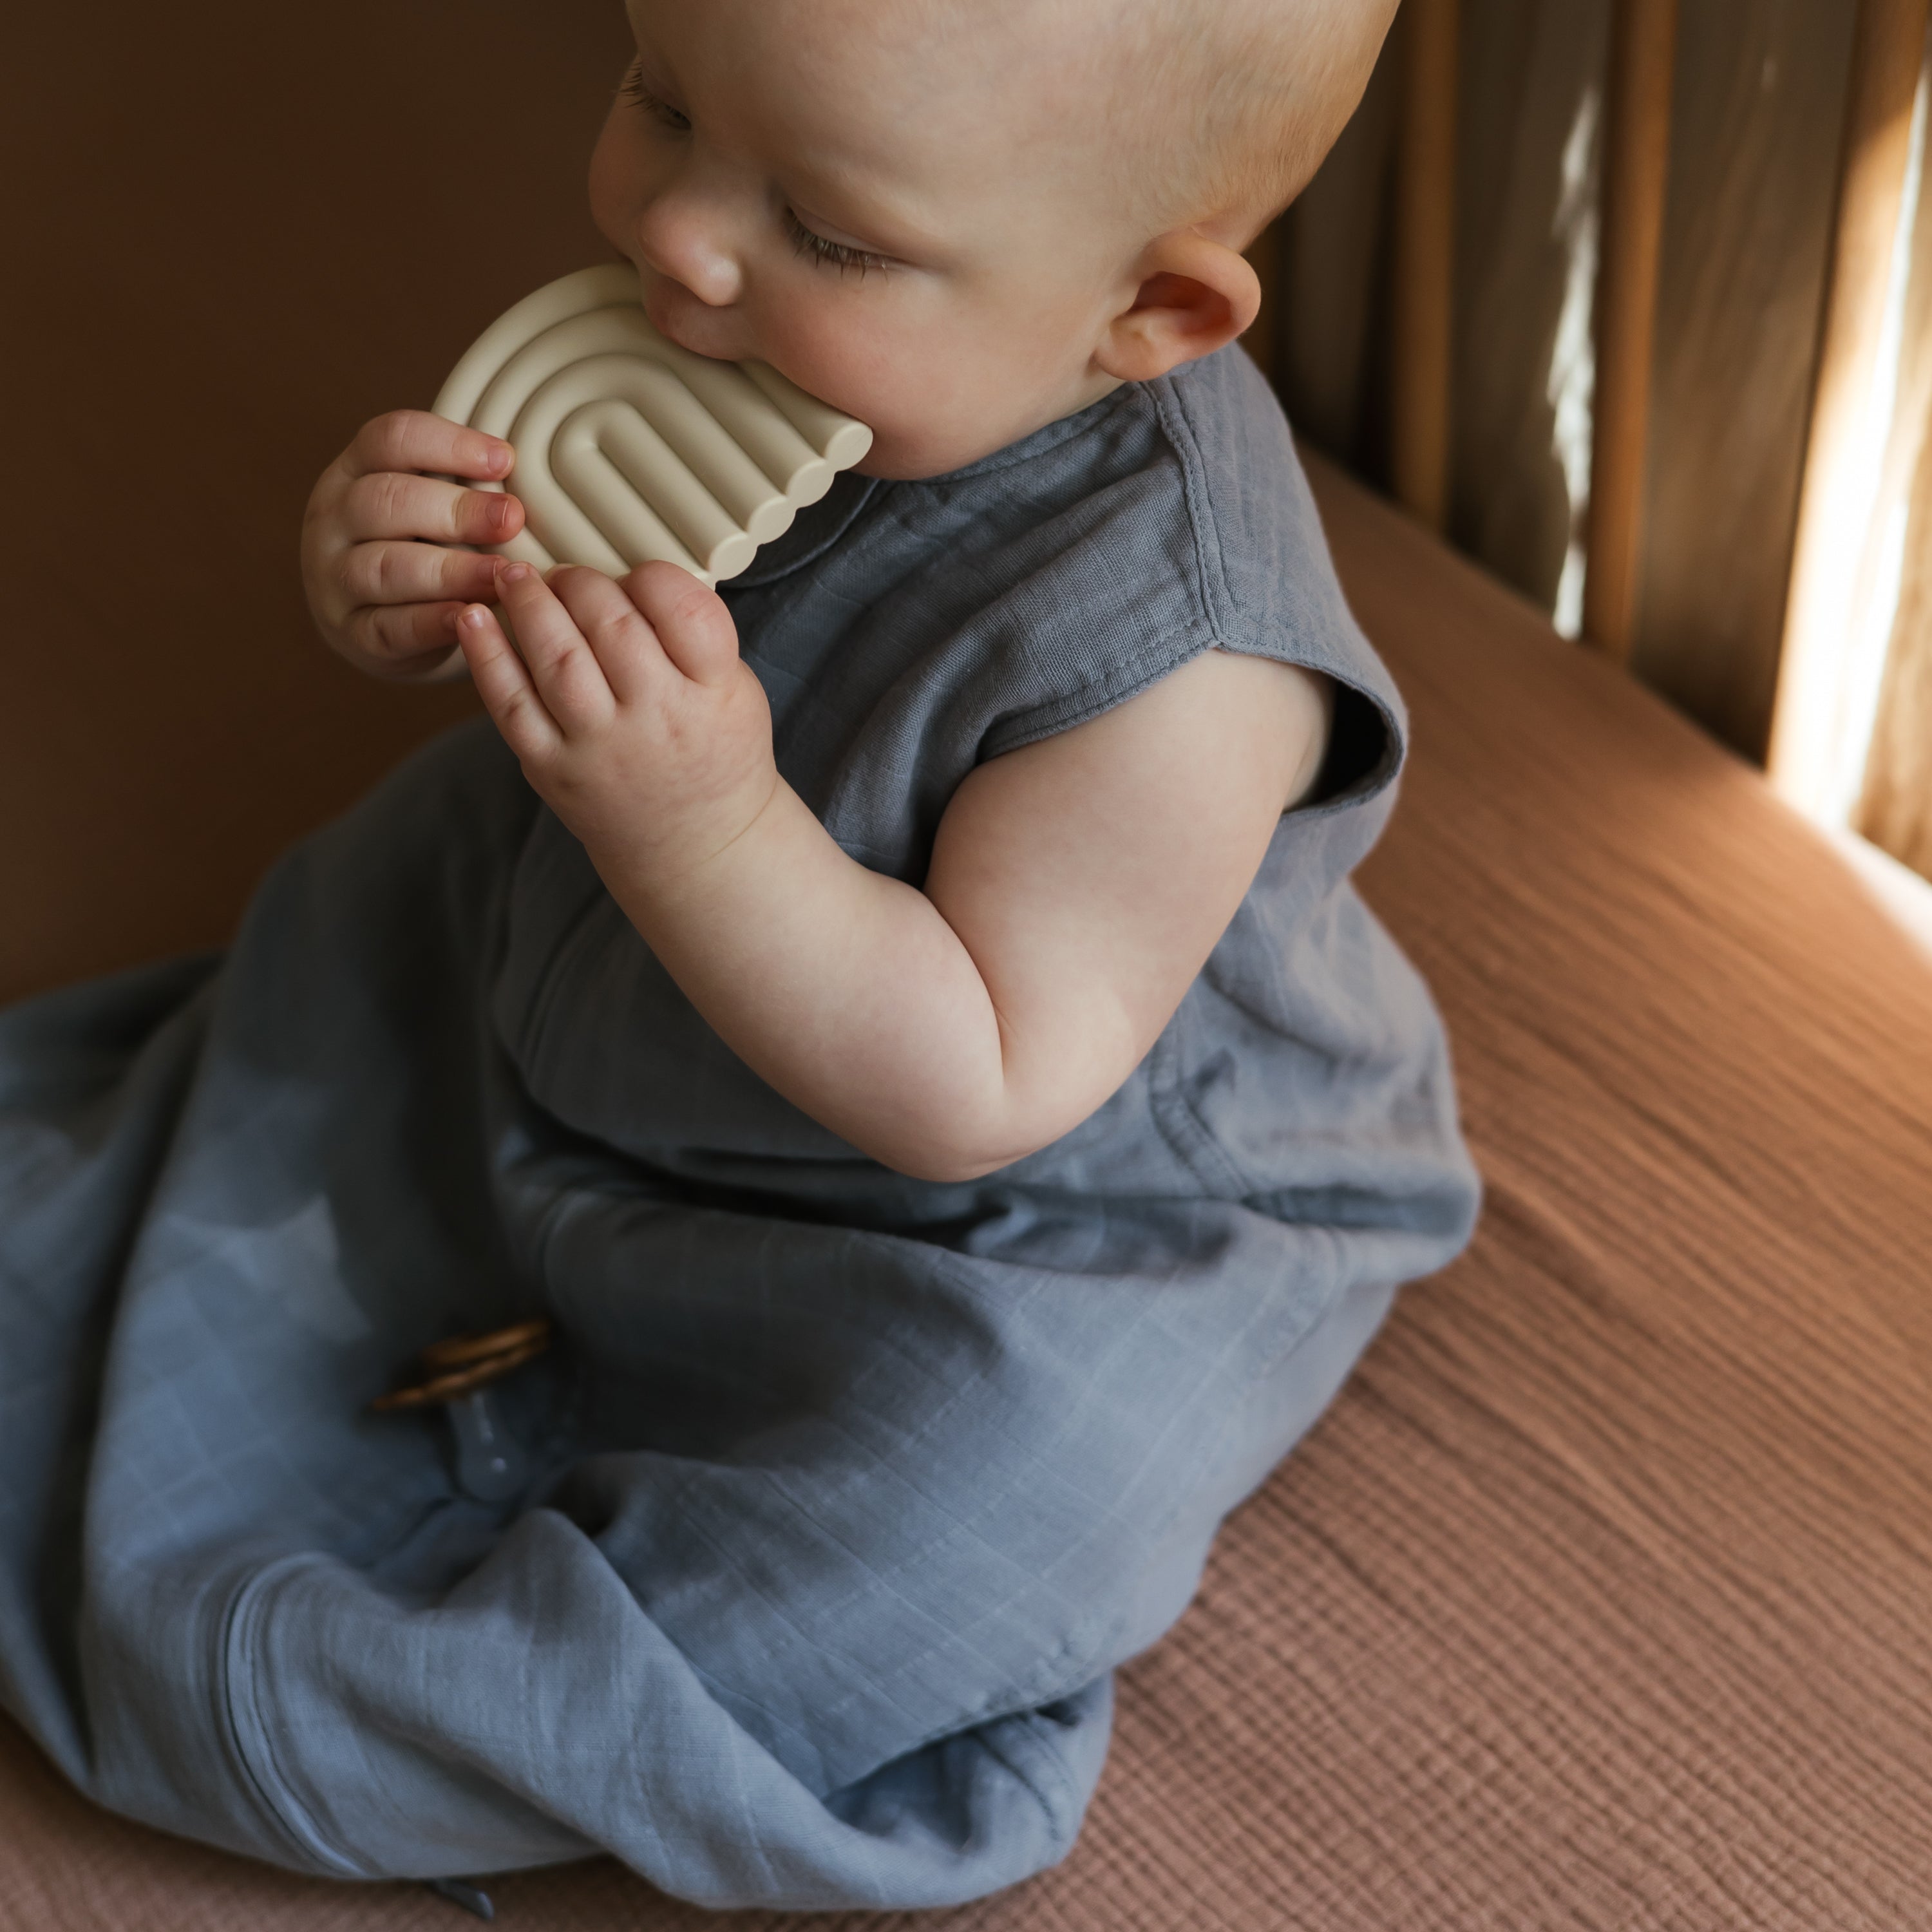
(1604, 1597)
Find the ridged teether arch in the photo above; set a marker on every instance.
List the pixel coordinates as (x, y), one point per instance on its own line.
(630, 448)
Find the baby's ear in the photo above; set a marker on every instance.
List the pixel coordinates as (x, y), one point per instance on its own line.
(1194, 295)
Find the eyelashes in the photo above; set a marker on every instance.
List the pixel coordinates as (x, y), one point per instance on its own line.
(806, 243)
(814, 247)
(640, 97)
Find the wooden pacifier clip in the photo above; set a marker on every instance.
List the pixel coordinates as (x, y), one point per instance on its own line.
(456, 1375)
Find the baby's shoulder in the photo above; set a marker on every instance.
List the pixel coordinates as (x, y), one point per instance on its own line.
(1266, 569)
(909, 632)
(1175, 517)
(1179, 504)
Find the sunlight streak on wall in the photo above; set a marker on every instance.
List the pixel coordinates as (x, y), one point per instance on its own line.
(1875, 614)
(1572, 385)
(1845, 585)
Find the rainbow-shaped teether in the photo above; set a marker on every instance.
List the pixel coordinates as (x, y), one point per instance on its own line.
(630, 448)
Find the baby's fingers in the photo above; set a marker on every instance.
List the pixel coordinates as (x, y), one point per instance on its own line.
(404, 642)
(689, 618)
(504, 684)
(561, 664)
(627, 650)
(415, 439)
(413, 573)
(390, 504)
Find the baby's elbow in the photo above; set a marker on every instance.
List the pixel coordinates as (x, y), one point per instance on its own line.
(945, 1165)
(952, 1153)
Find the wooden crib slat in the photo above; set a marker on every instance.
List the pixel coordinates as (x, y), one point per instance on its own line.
(1424, 264)
(1636, 165)
(1887, 53)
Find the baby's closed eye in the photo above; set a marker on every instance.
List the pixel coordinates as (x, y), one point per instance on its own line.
(815, 246)
(637, 90)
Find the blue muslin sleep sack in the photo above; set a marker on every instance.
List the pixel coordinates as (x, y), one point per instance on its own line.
(849, 1491)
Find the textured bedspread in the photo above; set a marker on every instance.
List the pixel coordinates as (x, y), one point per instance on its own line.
(1603, 1597)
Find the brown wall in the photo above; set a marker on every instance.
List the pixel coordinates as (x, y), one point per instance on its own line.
(231, 234)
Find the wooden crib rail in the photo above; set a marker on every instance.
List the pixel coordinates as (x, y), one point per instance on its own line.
(1887, 55)
(1423, 277)
(1635, 175)
(1643, 42)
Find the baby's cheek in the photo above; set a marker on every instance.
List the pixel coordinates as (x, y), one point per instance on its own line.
(921, 386)
(617, 189)
(848, 352)
(942, 374)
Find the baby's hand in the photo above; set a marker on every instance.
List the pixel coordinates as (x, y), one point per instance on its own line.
(381, 591)
(636, 721)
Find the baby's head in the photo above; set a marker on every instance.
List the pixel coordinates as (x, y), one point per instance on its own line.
(960, 220)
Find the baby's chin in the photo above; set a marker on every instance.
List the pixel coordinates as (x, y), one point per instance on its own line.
(910, 443)
(907, 455)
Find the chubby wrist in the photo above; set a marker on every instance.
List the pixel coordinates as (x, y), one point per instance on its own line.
(669, 865)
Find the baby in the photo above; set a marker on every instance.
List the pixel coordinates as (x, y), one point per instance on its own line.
(922, 1051)
(961, 225)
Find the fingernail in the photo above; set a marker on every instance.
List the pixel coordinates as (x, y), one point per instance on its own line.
(499, 457)
(473, 619)
(515, 573)
(499, 513)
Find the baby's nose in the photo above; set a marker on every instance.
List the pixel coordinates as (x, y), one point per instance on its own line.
(686, 243)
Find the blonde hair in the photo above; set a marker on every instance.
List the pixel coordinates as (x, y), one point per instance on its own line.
(1256, 93)
(1209, 110)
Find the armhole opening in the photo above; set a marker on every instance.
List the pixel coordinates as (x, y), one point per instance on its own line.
(1358, 748)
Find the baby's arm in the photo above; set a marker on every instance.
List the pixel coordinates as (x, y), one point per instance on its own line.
(1076, 887)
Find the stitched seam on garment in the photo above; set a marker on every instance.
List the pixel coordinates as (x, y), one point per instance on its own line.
(1213, 602)
(1178, 424)
(1062, 1808)
(1187, 1135)
(1210, 570)
(756, 579)
(1126, 678)
(237, 1681)
(1211, 559)
(1089, 699)
(1309, 1300)
(1129, 677)
(1071, 428)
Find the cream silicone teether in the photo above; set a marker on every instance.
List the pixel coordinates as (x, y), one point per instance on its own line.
(630, 448)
